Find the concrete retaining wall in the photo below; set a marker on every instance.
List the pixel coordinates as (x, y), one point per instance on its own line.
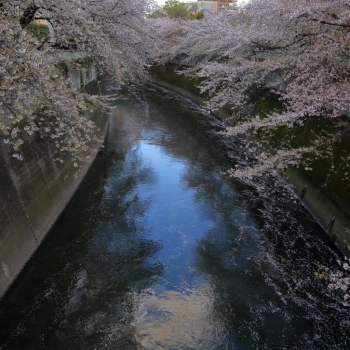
(33, 193)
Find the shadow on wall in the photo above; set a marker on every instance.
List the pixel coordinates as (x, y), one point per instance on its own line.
(33, 193)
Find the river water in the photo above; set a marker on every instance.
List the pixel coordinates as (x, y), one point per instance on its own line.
(159, 250)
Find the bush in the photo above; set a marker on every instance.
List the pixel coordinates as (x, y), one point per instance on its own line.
(40, 31)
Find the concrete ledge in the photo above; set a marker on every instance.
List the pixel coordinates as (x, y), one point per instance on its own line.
(333, 220)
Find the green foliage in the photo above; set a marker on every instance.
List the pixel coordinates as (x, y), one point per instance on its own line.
(40, 31)
(199, 15)
(156, 14)
(176, 9)
(84, 61)
(263, 107)
(168, 74)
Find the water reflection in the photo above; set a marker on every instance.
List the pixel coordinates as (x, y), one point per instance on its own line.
(174, 320)
(157, 250)
(262, 272)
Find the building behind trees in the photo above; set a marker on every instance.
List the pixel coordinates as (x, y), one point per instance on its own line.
(228, 5)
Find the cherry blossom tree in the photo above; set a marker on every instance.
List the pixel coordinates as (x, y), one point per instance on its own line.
(298, 50)
(34, 95)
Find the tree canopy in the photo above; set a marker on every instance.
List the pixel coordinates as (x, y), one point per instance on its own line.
(176, 9)
(298, 51)
(35, 98)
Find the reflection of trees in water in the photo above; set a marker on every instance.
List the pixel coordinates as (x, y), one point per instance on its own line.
(179, 127)
(83, 287)
(296, 248)
(117, 257)
(261, 254)
(79, 281)
(263, 271)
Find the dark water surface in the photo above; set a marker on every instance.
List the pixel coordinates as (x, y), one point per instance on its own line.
(158, 250)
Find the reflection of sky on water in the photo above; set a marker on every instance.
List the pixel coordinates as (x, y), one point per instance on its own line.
(173, 216)
(185, 200)
(179, 320)
(189, 204)
(158, 250)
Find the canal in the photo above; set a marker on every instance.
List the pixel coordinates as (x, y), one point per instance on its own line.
(158, 249)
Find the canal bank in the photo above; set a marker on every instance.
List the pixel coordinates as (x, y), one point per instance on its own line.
(34, 191)
(329, 205)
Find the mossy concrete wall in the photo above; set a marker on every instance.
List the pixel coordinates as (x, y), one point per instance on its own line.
(329, 209)
(331, 212)
(33, 193)
(80, 76)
